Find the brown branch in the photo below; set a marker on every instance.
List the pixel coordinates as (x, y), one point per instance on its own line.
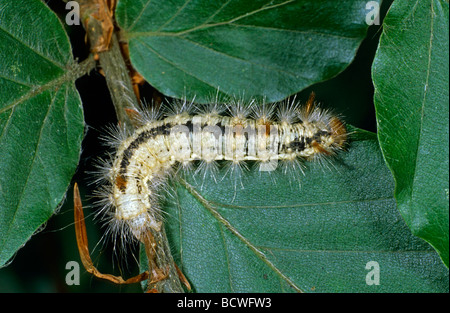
(99, 25)
(97, 17)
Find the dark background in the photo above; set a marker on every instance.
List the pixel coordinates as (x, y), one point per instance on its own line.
(40, 265)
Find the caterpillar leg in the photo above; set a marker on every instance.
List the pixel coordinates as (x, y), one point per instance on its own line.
(82, 243)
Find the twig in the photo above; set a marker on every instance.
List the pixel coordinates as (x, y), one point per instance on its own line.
(98, 23)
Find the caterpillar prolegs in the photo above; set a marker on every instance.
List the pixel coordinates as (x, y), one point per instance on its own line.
(184, 133)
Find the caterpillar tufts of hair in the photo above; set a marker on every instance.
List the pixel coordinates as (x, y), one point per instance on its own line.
(212, 135)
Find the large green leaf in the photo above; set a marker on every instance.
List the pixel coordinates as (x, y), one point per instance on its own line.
(260, 48)
(411, 75)
(41, 120)
(279, 238)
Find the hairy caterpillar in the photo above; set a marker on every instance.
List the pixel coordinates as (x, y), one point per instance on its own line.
(234, 133)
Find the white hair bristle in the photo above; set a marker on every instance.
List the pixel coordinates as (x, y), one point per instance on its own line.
(282, 135)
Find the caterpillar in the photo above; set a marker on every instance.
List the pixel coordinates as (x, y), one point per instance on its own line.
(185, 133)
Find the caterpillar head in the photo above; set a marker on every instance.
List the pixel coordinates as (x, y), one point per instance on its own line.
(328, 142)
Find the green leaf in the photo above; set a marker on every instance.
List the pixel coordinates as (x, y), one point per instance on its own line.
(276, 237)
(261, 48)
(410, 74)
(41, 120)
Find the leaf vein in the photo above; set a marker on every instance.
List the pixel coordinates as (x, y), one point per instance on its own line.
(54, 62)
(294, 75)
(6, 234)
(175, 65)
(422, 109)
(235, 232)
(139, 15)
(175, 15)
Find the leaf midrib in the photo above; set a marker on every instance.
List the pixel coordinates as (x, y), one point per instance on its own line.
(420, 139)
(70, 75)
(37, 52)
(131, 34)
(5, 236)
(290, 206)
(160, 56)
(411, 192)
(235, 232)
(262, 8)
(182, 33)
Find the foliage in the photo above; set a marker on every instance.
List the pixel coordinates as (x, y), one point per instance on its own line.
(376, 202)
